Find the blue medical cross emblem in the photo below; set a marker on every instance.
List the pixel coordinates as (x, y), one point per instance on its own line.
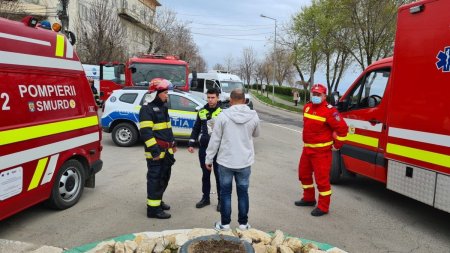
(443, 60)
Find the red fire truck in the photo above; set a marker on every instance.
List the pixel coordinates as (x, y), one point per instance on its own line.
(398, 110)
(49, 129)
(139, 71)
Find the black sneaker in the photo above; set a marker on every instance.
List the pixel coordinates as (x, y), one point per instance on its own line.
(317, 212)
(165, 206)
(202, 203)
(305, 203)
(218, 207)
(159, 215)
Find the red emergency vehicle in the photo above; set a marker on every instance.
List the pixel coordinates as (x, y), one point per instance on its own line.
(49, 128)
(398, 110)
(139, 71)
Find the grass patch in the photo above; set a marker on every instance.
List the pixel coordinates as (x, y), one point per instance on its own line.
(276, 104)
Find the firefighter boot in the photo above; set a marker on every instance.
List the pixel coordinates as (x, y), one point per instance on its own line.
(157, 212)
(305, 203)
(165, 206)
(317, 212)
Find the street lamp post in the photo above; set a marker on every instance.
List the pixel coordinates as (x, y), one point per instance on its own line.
(274, 55)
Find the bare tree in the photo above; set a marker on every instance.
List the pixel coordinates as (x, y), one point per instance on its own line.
(283, 66)
(218, 66)
(160, 30)
(168, 35)
(198, 64)
(259, 73)
(248, 62)
(229, 63)
(101, 36)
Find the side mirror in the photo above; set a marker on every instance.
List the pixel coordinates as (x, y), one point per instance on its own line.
(71, 37)
(198, 108)
(132, 68)
(334, 98)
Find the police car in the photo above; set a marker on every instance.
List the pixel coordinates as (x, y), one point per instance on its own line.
(121, 114)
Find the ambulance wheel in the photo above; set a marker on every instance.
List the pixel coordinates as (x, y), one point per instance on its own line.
(124, 135)
(336, 170)
(68, 186)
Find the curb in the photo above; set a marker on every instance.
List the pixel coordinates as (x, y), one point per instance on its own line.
(273, 106)
(19, 247)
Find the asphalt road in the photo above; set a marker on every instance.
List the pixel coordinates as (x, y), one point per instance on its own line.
(364, 216)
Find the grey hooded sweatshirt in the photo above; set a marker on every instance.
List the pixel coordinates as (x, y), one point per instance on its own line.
(232, 137)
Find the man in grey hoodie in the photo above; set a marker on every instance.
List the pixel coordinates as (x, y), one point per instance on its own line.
(232, 141)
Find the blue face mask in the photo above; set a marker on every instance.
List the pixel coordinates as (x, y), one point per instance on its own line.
(316, 100)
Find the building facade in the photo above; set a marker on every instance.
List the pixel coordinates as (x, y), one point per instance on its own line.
(135, 16)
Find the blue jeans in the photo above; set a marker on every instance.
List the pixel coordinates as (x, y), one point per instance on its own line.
(242, 178)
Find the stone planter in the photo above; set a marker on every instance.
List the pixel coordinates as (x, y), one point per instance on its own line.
(189, 246)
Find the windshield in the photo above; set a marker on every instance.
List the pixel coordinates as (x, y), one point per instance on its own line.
(145, 72)
(228, 86)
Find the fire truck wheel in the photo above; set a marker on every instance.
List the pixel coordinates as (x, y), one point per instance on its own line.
(125, 135)
(68, 186)
(336, 170)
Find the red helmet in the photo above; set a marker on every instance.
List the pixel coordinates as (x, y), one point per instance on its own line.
(159, 84)
(319, 88)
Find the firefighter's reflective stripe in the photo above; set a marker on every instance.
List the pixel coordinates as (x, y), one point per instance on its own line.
(361, 139)
(153, 202)
(314, 117)
(32, 132)
(326, 193)
(38, 173)
(59, 45)
(150, 142)
(307, 186)
(161, 126)
(341, 138)
(418, 154)
(147, 123)
(148, 155)
(318, 145)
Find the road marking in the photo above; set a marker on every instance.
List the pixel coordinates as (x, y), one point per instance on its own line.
(287, 128)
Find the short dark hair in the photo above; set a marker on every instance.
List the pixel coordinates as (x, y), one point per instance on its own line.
(237, 95)
(213, 91)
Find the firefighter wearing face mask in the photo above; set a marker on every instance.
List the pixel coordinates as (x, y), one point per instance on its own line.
(156, 132)
(324, 130)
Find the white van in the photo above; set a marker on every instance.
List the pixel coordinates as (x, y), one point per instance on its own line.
(224, 81)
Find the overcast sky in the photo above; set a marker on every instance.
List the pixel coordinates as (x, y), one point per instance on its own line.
(225, 27)
(221, 28)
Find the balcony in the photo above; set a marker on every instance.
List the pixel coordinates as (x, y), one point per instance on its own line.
(132, 15)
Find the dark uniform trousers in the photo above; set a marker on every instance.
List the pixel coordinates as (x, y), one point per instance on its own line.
(158, 176)
(206, 175)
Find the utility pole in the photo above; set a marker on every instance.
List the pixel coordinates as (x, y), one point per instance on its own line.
(274, 56)
(62, 14)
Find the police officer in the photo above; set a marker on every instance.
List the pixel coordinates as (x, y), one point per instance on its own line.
(156, 132)
(202, 131)
(94, 91)
(324, 130)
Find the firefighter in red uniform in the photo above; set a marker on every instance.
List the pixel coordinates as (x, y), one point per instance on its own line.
(156, 132)
(324, 130)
